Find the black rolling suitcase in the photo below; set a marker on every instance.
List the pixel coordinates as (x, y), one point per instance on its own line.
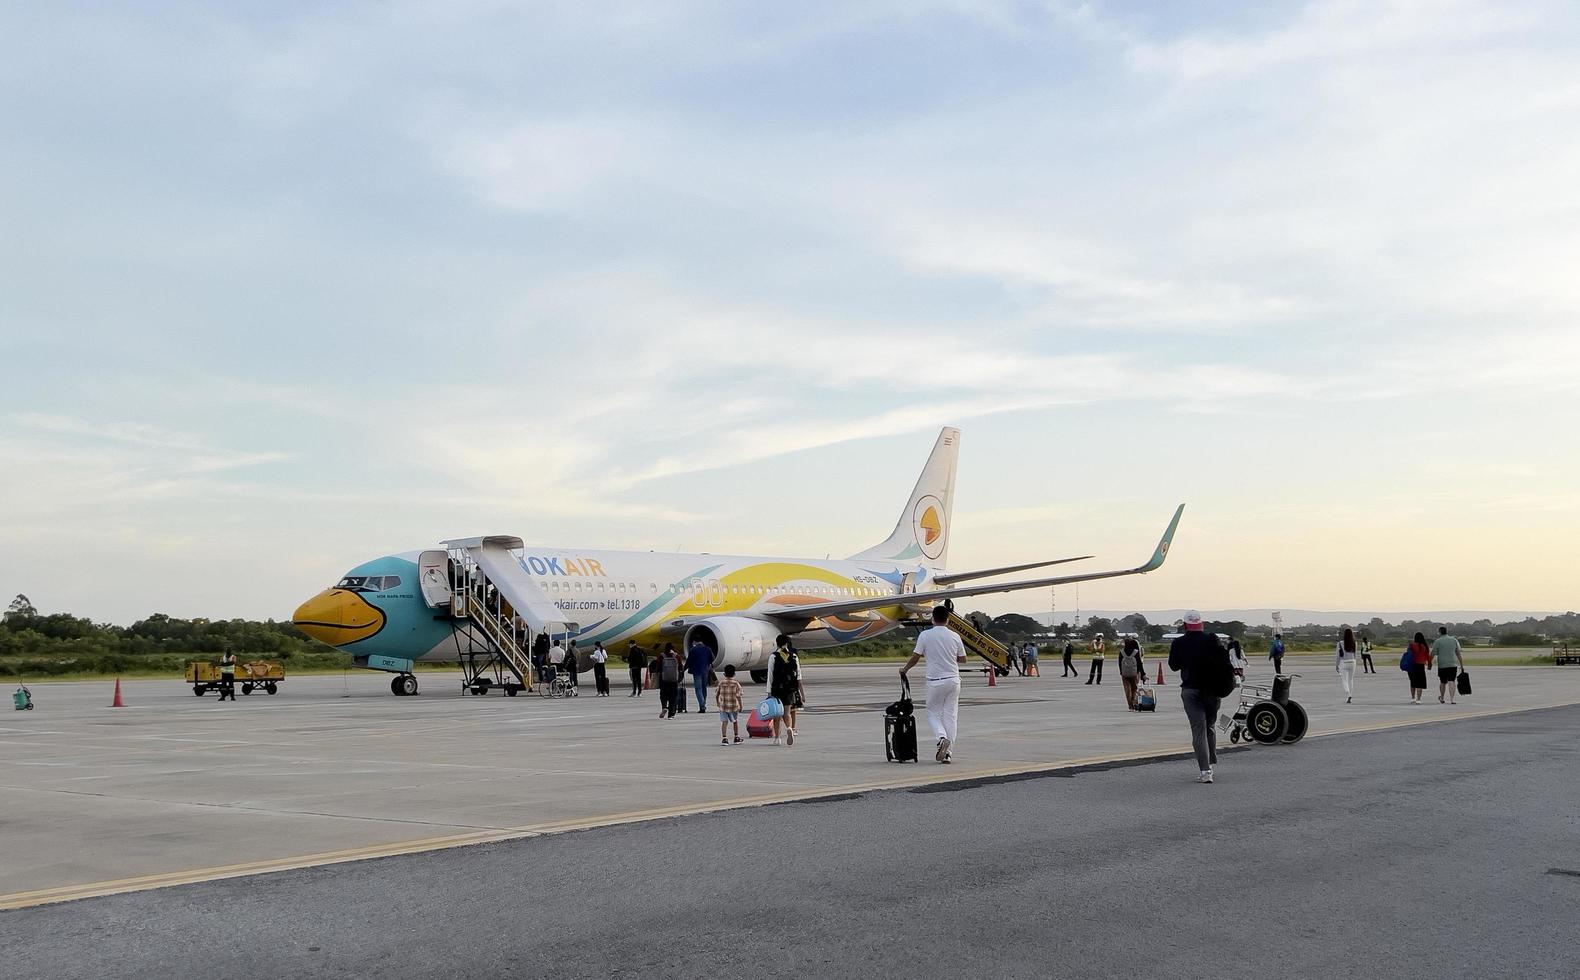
(899, 727)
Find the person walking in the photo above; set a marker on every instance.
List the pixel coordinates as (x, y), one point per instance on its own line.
(227, 675)
(1131, 669)
(1344, 663)
(1237, 661)
(635, 663)
(784, 683)
(1445, 653)
(1069, 661)
(540, 658)
(1275, 653)
(699, 661)
(1097, 660)
(944, 652)
(1417, 656)
(1366, 657)
(600, 657)
(669, 670)
(728, 699)
(1205, 677)
(1028, 656)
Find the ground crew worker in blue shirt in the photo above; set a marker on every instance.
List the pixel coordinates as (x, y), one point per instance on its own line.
(699, 661)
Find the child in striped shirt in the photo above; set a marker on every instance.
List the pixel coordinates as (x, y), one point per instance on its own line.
(728, 698)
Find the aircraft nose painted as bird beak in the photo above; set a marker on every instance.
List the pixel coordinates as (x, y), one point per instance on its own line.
(338, 617)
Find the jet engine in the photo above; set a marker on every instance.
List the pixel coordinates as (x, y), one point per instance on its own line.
(746, 643)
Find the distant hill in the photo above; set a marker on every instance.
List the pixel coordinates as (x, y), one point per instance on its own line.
(1303, 617)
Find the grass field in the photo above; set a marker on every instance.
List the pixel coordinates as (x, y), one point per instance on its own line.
(886, 651)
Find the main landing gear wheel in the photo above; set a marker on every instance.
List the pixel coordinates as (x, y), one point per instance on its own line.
(404, 685)
(1297, 722)
(1266, 722)
(759, 677)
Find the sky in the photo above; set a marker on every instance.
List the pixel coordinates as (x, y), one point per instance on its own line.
(288, 286)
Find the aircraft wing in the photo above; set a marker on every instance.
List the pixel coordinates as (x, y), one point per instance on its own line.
(936, 596)
(950, 578)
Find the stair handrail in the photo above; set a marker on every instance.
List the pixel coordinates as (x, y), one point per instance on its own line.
(974, 635)
(494, 629)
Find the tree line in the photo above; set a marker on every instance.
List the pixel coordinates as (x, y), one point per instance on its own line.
(34, 643)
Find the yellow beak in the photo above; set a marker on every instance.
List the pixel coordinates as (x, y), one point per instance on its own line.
(338, 617)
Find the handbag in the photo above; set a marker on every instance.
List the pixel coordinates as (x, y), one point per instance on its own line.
(905, 706)
(771, 707)
(1406, 659)
(1464, 681)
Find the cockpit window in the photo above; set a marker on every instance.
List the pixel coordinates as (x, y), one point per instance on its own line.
(369, 583)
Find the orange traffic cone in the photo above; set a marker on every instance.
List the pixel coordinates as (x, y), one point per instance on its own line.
(117, 703)
(647, 680)
(1160, 673)
(992, 676)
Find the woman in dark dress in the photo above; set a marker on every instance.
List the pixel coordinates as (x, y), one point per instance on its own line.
(1420, 656)
(784, 683)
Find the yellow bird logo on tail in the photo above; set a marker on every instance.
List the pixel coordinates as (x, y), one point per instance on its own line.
(931, 526)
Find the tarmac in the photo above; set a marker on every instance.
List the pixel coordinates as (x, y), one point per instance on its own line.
(1431, 852)
(173, 788)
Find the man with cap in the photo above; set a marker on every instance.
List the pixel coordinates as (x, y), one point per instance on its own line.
(1205, 674)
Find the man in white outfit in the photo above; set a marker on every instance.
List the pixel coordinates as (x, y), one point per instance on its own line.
(944, 652)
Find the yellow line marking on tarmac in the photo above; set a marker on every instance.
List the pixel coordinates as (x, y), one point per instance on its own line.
(67, 893)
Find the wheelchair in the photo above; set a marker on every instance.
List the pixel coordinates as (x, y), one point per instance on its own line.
(1266, 715)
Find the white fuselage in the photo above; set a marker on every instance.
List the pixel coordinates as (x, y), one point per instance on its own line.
(619, 596)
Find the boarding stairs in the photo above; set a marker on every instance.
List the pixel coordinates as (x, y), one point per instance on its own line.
(499, 614)
(980, 644)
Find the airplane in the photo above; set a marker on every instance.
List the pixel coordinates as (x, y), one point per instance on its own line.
(417, 606)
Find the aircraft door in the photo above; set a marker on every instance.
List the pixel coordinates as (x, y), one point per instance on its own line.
(433, 571)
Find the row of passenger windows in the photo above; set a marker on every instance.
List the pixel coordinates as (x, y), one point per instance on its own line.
(597, 585)
(696, 586)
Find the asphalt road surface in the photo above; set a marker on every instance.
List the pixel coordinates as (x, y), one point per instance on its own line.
(1448, 850)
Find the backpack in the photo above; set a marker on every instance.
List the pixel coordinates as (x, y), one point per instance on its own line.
(1226, 679)
(669, 673)
(1406, 659)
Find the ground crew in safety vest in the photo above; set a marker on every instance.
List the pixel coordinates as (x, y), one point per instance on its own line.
(227, 676)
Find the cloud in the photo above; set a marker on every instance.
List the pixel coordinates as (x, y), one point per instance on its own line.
(543, 165)
(1332, 32)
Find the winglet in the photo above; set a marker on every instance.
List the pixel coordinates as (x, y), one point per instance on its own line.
(1163, 545)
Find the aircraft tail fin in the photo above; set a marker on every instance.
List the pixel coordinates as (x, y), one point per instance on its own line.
(922, 533)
